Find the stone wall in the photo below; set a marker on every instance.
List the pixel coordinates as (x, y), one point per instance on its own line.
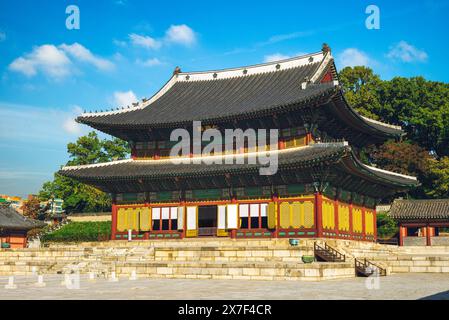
(440, 241)
(415, 241)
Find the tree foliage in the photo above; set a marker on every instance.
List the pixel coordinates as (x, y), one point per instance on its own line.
(79, 197)
(80, 232)
(439, 175)
(32, 208)
(421, 107)
(387, 227)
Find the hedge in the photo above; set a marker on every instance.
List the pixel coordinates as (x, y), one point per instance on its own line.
(80, 232)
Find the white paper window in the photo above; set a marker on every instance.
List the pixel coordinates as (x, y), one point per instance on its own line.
(221, 217)
(173, 213)
(243, 210)
(254, 210)
(263, 209)
(165, 213)
(156, 213)
(232, 215)
(191, 218)
(180, 218)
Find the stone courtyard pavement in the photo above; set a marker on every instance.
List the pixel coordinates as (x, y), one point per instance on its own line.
(405, 286)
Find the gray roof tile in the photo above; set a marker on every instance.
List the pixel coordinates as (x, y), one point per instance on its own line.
(420, 209)
(12, 220)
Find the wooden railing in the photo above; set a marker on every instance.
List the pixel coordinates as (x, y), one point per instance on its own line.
(366, 268)
(328, 253)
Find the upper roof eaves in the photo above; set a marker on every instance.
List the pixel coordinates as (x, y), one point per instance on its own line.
(221, 74)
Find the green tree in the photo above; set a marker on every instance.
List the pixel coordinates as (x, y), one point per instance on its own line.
(360, 85)
(90, 149)
(79, 197)
(387, 227)
(439, 175)
(421, 107)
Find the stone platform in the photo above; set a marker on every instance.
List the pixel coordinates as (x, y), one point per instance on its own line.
(214, 258)
(222, 259)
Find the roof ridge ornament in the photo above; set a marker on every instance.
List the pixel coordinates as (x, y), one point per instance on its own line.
(326, 48)
(177, 71)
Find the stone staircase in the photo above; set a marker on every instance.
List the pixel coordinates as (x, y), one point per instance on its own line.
(398, 259)
(184, 259)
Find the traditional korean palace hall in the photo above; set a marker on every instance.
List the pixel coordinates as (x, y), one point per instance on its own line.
(321, 188)
(420, 221)
(14, 227)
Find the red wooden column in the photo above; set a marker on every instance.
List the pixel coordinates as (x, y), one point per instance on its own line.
(402, 234)
(337, 230)
(114, 219)
(319, 214)
(351, 227)
(428, 236)
(274, 198)
(184, 218)
(234, 232)
(363, 223)
(375, 224)
(146, 235)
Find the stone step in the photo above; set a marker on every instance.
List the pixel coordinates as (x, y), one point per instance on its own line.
(253, 271)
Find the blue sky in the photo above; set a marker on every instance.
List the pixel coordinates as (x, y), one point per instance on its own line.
(127, 49)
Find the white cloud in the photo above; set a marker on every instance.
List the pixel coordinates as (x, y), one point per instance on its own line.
(40, 125)
(152, 62)
(54, 62)
(124, 98)
(70, 125)
(2, 36)
(275, 57)
(83, 54)
(279, 56)
(407, 53)
(352, 57)
(181, 34)
(46, 58)
(119, 43)
(144, 41)
(287, 36)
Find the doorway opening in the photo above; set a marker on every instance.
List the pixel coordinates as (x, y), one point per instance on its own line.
(207, 221)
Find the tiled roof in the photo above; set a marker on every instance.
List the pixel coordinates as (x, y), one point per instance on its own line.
(187, 101)
(239, 93)
(12, 220)
(312, 155)
(166, 168)
(420, 209)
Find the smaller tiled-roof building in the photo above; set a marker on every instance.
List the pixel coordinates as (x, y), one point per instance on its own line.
(14, 227)
(420, 220)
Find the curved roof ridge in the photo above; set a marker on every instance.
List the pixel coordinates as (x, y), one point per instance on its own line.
(253, 69)
(95, 165)
(140, 105)
(220, 74)
(382, 123)
(390, 172)
(209, 157)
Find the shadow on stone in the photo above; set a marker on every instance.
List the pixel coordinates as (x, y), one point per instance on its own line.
(438, 296)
